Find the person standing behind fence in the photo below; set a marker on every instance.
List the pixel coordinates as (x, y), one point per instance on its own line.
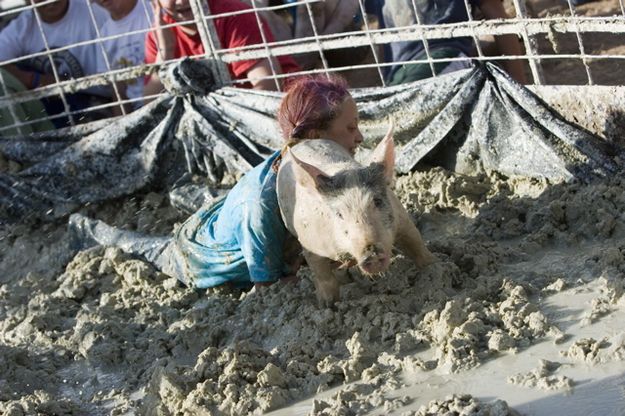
(279, 26)
(64, 23)
(233, 31)
(126, 16)
(400, 13)
(329, 17)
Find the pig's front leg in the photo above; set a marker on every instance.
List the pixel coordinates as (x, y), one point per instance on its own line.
(410, 242)
(326, 284)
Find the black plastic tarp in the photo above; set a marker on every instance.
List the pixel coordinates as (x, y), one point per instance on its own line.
(471, 120)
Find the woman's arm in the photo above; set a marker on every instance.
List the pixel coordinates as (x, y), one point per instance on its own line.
(164, 39)
(260, 76)
(160, 46)
(265, 243)
(152, 86)
(30, 79)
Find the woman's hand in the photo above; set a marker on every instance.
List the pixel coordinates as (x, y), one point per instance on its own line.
(165, 39)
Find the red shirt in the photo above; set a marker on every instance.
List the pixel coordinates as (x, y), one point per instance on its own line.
(233, 32)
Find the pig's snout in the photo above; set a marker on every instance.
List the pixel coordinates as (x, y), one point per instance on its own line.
(375, 260)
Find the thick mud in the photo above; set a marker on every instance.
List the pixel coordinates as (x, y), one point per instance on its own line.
(101, 332)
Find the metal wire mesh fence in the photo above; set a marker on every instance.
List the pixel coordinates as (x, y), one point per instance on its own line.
(308, 31)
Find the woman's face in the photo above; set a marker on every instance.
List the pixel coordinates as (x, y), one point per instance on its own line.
(344, 128)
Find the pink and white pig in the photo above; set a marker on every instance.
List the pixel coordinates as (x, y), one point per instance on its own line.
(343, 213)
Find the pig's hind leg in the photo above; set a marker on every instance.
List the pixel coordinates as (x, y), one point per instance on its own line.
(326, 284)
(410, 242)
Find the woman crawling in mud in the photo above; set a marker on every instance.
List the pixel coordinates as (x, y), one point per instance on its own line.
(241, 239)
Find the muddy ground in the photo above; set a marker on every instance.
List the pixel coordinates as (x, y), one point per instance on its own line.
(102, 333)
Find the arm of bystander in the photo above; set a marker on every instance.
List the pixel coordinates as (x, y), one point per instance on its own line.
(506, 44)
(159, 47)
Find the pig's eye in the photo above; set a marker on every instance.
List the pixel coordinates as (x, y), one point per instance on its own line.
(378, 202)
(339, 215)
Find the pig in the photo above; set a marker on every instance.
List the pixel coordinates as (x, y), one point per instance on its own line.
(343, 213)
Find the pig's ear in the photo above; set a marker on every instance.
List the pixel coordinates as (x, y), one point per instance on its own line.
(384, 154)
(307, 174)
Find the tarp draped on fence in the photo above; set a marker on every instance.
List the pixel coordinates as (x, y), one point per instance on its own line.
(466, 121)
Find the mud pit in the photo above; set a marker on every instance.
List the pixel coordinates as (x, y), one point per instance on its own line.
(523, 313)
(104, 333)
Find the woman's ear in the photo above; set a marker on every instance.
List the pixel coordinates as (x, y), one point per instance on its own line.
(384, 154)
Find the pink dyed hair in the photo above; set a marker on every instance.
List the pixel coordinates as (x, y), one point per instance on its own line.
(310, 103)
